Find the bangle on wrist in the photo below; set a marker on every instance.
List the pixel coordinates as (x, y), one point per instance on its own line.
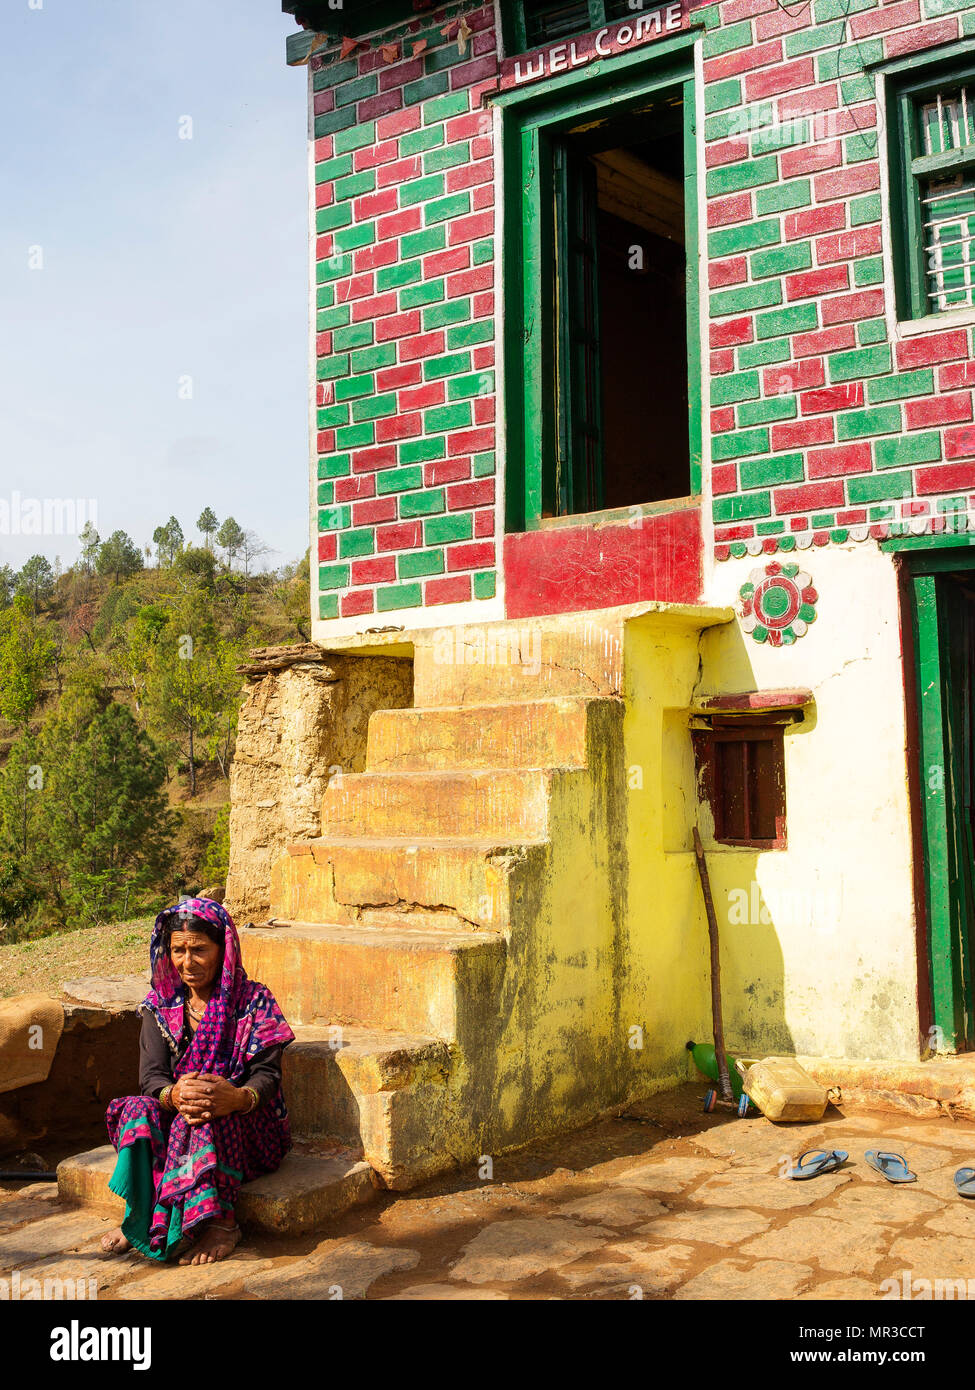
(255, 1099)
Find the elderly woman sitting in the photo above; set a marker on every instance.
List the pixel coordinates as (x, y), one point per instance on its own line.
(211, 1114)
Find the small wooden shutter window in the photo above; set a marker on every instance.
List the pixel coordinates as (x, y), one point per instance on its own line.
(741, 770)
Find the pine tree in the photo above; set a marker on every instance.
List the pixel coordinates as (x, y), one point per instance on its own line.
(231, 537)
(36, 580)
(119, 556)
(207, 524)
(26, 657)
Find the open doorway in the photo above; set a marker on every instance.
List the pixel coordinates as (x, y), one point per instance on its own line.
(621, 307)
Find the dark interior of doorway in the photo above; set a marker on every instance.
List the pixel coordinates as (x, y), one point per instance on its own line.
(628, 408)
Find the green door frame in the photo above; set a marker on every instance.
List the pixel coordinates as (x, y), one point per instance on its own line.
(532, 119)
(948, 962)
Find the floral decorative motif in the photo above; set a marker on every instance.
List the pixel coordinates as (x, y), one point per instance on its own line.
(777, 604)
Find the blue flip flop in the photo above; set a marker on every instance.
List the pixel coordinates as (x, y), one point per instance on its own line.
(965, 1182)
(893, 1166)
(820, 1161)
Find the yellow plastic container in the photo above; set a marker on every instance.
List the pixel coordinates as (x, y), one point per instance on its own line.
(783, 1091)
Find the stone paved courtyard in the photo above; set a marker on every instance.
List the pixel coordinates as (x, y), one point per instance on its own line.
(665, 1203)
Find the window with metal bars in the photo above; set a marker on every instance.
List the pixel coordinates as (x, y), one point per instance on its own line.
(537, 22)
(933, 175)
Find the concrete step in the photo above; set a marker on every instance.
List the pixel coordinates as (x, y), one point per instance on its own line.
(414, 980)
(334, 879)
(512, 804)
(307, 1192)
(517, 734)
(375, 1091)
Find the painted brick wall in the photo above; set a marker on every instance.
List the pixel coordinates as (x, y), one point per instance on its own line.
(404, 191)
(821, 426)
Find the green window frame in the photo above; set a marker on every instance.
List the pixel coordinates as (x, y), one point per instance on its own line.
(531, 23)
(931, 111)
(535, 121)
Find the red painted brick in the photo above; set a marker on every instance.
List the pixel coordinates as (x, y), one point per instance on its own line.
(400, 74)
(734, 533)
(464, 496)
(470, 441)
(398, 326)
(813, 220)
(722, 361)
(844, 183)
(323, 148)
(733, 271)
(375, 204)
(432, 393)
(456, 589)
(481, 224)
(722, 420)
(483, 306)
(726, 152)
(328, 547)
(483, 198)
(468, 281)
(466, 127)
(359, 602)
(743, 60)
(405, 535)
(377, 307)
(401, 172)
(483, 357)
(857, 517)
(470, 175)
(441, 262)
(723, 211)
(786, 377)
(324, 195)
(957, 374)
(808, 497)
(409, 220)
(372, 257)
(446, 471)
(824, 98)
(852, 308)
(734, 10)
(845, 246)
(724, 478)
(842, 397)
(375, 570)
(786, 78)
(392, 378)
(799, 434)
(770, 26)
(369, 460)
(369, 512)
(484, 523)
(938, 410)
(422, 345)
(817, 282)
(380, 105)
(355, 488)
(323, 344)
(911, 40)
(466, 74)
(326, 441)
(930, 348)
(960, 443)
(833, 463)
(481, 147)
(484, 410)
(323, 102)
(470, 555)
(410, 118)
(810, 159)
(889, 17)
(398, 427)
(946, 478)
(824, 340)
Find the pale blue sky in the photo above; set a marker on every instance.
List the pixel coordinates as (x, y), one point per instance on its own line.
(162, 258)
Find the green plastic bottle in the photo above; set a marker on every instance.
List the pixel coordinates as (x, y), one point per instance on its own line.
(707, 1063)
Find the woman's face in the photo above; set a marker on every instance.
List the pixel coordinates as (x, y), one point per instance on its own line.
(195, 957)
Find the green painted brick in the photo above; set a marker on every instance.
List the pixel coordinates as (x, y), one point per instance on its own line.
(440, 315)
(425, 88)
(421, 190)
(764, 412)
(422, 243)
(820, 36)
(764, 354)
(369, 359)
(363, 87)
(868, 271)
(726, 40)
(354, 386)
(797, 318)
(484, 584)
(336, 318)
(327, 219)
(334, 366)
(735, 386)
(416, 296)
(854, 89)
(443, 209)
(447, 56)
(436, 367)
(880, 513)
(952, 504)
(769, 528)
(745, 508)
(356, 184)
(858, 424)
(739, 301)
(826, 10)
(355, 139)
(878, 487)
(848, 366)
(908, 449)
(325, 298)
(398, 596)
(470, 334)
(422, 450)
(780, 136)
(352, 238)
(739, 443)
(329, 416)
(357, 335)
(484, 465)
(326, 493)
(356, 436)
(417, 141)
(333, 576)
(750, 173)
(392, 277)
(461, 388)
(332, 122)
(822, 520)
(334, 268)
(447, 158)
(330, 74)
(900, 385)
(849, 60)
(353, 543)
(968, 25)
(419, 562)
(335, 466)
(871, 331)
(441, 530)
(718, 96)
(443, 108)
(330, 169)
(746, 236)
(933, 8)
(375, 408)
(796, 193)
(860, 146)
(423, 503)
(483, 251)
(724, 125)
(398, 479)
(781, 259)
(771, 472)
(864, 210)
(328, 606)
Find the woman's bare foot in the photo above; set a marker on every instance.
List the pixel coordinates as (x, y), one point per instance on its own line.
(216, 1243)
(114, 1243)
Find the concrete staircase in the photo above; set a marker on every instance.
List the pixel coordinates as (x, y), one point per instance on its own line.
(447, 949)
